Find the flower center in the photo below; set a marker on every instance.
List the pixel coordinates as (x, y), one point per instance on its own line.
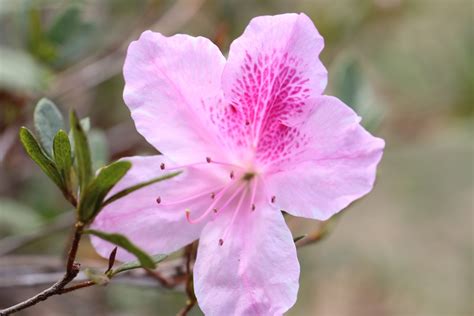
(235, 196)
(238, 194)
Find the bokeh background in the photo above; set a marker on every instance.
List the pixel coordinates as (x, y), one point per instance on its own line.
(406, 66)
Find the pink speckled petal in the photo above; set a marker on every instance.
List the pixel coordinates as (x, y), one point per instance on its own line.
(157, 228)
(170, 85)
(254, 272)
(271, 70)
(337, 167)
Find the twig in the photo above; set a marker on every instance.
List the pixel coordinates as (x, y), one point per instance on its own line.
(72, 269)
(89, 74)
(46, 270)
(55, 289)
(323, 231)
(76, 287)
(164, 282)
(190, 254)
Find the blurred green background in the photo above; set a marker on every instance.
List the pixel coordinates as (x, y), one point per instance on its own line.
(407, 67)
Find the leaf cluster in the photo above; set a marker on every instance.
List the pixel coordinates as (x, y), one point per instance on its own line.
(66, 158)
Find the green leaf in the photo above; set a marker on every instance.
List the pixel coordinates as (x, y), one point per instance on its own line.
(21, 73)
(65, 25)
(144, 259)
(81, 152)
(48, 121)
(138, 186)
(135, 264)
(96, 191)
(34, 150)
(63, 158)
(348, 83)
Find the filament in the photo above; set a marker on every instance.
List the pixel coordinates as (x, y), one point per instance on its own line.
(234, 217)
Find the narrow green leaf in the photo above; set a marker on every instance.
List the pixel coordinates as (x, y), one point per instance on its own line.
(48, 121)
(138, 186)
(135, 264)
(96, 191)
(81, 152)
(36, 153)
(62, 157)
(145, 260)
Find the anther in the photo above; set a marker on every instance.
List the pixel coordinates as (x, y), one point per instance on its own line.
(208, 159)
(253, 207)
(221, 242)
(273, 199)
(213, 195)
(232, 174)
(247, 122)
(162, 166)
(158, 200)
(215, 210)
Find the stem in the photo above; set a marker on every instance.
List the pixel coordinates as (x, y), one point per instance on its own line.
(190, 254)
(76, 287)
(78, 228)
(72, 269)
(55, 289)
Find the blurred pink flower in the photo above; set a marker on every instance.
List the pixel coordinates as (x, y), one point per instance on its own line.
(254, 136)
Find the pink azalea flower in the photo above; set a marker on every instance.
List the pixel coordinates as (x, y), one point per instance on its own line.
(253, 135)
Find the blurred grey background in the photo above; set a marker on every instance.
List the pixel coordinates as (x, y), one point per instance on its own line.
(407, 67)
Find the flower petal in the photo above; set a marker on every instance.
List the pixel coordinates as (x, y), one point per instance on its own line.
(156, 228)
(338, 167)
(271, 70)
(254, 272)
(174, 81)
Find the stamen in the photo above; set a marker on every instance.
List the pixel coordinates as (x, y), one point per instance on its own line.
(234, 216)
(213, 195)
(232, 174)
(252, 196)
(273, 199)
(212, 206)
(208, 161)
(237, 191)
(192, 197)
(266, 191)
(162, 166)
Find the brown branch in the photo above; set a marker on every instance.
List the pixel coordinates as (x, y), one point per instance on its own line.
(46, 270)
(55, 289)
(72, 269)
(91, 72)
(190, 254)
(76, 287)
(164, 282)
(324, 229)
